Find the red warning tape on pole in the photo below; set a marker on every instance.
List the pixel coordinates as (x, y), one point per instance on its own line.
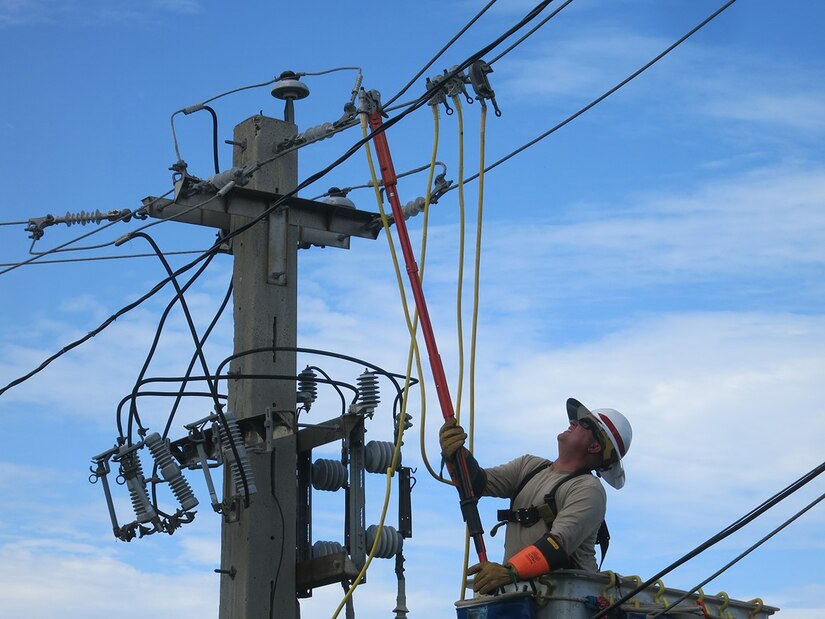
(469, 502)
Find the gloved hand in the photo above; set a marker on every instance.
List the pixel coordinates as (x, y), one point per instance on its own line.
(489, 576)
(451, 437)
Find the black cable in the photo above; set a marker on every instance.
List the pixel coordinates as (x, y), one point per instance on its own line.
(532, 30)
(441, 51)
(727, 531)
(186, 376)
(214, 137)
(337, 388)
(742, 555)
(188, 315)
(153, 347)
(602, 97)
(422, 100)
(194, 358)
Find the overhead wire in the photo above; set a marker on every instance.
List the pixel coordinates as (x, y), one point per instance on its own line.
(741, 556)
(724, 533)
(530, 32)
(609, 92)
(440, 52)
(422, 100)
(75, 240)
(100, 258)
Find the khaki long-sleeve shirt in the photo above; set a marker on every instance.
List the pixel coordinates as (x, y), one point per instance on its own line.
(581, 503)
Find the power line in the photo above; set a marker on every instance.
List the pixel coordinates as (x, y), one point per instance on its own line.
(422, 100)
(75, 240)
(440, 52)
(606, 94)
(726, 532)
(744, 554)
(97, 258)
(531, 31)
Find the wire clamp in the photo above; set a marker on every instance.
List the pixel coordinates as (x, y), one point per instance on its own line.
(481, 84)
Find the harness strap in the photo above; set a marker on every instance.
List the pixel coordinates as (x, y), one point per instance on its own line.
(546, 510)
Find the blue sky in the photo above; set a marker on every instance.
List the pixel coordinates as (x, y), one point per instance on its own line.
(662, 255)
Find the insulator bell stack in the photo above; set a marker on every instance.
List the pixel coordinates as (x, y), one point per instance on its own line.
(235, 438)
(368, 395)
(171, 471)
(322, 549)
(389, 544)
(329, 475)
(132, 471)
(378, 456)
(307, 387)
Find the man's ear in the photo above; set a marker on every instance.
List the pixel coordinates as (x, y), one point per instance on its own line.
(594, 448)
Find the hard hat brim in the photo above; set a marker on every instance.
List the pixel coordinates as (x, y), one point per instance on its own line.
(614, 474)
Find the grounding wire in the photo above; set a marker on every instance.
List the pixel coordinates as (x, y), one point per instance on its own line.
(274, 586)
(422, 100)
(724, 533)
(75, 240)
(530, 32)
(605, 95)
(741, 556)
(440, 52)
(153, 347)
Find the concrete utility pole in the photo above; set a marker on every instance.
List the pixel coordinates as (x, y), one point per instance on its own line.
(258, 540)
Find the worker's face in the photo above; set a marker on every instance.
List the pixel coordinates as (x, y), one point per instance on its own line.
(577, 437)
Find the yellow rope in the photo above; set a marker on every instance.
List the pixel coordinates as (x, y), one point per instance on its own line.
(422, 431)
(460, 284)
(474, 332)
(410, 327)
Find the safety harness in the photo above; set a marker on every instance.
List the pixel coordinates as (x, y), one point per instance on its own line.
(546, 510)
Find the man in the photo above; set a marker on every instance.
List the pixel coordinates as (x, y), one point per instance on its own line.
(557, 508)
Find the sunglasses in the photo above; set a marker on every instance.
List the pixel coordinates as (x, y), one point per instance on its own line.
(590, 425)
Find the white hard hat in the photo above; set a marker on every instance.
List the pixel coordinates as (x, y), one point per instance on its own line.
(616, 428)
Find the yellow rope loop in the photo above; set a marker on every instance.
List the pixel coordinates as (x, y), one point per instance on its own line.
(723, 606)
(659, 596)
(637, 583)
(758, 606)
(611, 583)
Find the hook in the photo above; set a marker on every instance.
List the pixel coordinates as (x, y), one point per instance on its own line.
(659, 597)
(611, 582)
(758, 606)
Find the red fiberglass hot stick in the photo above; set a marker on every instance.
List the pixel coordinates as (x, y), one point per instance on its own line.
(468, 501)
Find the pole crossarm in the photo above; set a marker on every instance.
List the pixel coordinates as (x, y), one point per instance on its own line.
(319, 223)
